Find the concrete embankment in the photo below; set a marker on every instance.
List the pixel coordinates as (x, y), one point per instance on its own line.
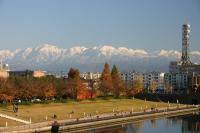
(111, 119)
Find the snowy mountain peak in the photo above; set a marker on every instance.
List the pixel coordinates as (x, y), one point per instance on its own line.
(169, 53)
(48, 56)
(27, 52)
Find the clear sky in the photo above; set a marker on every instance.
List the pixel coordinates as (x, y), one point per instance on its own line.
(145, 24)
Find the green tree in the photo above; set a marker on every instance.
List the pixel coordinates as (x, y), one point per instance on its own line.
(117, 83)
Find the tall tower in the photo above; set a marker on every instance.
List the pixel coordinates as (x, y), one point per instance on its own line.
(185, 59)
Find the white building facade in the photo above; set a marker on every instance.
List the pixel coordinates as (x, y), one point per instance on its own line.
(90, 75)
(153, 77)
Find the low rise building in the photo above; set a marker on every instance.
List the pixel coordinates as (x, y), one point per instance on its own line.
(4, 74)
(4, 70)
(39, 74)
(26, 73)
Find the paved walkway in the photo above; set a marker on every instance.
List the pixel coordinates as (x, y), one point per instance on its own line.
(15, 119)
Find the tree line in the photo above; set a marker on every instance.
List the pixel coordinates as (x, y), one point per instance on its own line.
(48, 87)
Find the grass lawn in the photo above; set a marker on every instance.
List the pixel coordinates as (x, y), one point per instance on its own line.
(39, 112)
(9, 122)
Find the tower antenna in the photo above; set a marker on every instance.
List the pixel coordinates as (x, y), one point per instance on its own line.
(185, 58)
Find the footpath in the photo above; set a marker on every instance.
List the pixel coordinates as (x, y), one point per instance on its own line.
(15, 119)
(103, 120)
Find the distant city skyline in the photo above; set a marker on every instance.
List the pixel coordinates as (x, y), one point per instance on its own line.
(138, 24)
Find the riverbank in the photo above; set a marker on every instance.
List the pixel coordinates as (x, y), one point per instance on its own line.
(76, 125)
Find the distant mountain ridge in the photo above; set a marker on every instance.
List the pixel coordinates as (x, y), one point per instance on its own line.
(52, 58)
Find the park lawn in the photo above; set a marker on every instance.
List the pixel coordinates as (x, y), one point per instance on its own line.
(39, 112)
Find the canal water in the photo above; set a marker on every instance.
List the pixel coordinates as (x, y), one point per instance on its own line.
(180, 124)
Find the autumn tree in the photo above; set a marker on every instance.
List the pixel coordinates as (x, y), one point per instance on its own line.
(62, 90)
(117, 83)
(74, 82)
(7, 91)
(153, 86)
(26, 88)
(49, 91)
(137, 85)
(106, 80)
(168, 87)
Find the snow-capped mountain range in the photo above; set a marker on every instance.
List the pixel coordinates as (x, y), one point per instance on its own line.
(51, 58)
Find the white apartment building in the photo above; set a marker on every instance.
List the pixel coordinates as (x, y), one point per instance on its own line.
(130, 77)
(90, 75)
(156, 77)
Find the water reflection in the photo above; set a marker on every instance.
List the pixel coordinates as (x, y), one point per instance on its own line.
(180, 124)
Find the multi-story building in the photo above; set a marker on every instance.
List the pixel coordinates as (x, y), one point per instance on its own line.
(194, 81)
(177, 81)
(90, 75)
(130, 77)
(127, 78)
(153, 78)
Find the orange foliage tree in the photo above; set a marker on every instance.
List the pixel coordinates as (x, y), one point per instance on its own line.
(7, 91)
(106, 80)
(74, 83)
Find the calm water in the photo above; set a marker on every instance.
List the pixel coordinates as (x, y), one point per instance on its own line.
(180, 124)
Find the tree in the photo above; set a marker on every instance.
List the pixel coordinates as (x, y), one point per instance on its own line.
(117, 83)
(137, 85)
(7, 91)
(62, 90)
(49, 91)
(74, 82)
(168, 87)
(106, 80)
(153, 86)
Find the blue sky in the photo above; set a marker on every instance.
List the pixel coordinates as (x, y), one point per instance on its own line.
(145, 24)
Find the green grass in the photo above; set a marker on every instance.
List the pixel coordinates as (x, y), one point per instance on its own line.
(39, 112)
